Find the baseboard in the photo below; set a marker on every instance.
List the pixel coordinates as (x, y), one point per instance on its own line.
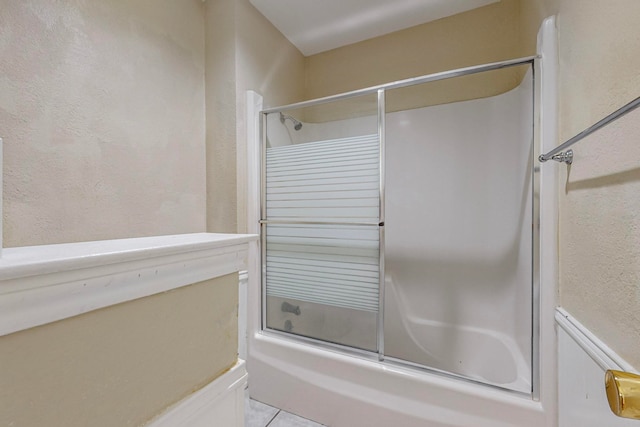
(597, 350)
(218, 404)
(583, 360)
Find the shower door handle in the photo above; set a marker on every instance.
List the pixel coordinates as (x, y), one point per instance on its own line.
(623, 393)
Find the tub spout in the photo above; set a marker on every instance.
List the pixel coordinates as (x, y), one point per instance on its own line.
(288, 326)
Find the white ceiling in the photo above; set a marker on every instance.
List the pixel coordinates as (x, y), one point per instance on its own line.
(315, 26)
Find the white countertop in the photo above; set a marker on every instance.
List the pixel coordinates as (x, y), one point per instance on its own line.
(32, 260)
(44, 284)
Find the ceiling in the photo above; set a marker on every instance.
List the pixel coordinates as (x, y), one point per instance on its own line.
(315, 26)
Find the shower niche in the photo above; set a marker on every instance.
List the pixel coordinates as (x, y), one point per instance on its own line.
(397, 223)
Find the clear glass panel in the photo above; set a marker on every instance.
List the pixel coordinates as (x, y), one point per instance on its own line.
(322, 204)
(458, 226)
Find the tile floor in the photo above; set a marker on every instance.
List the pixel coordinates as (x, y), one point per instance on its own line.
(257, 414)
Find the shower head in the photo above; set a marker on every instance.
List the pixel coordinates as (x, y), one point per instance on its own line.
(297, 125)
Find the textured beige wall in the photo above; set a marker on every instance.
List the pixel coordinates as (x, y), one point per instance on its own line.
(102, 114)
(266, 61)
(599, 53)
(122, 365)
(220, 53)
(486, 34)
(600, 193)
(244, 52)
(532, 13)
(270, 65)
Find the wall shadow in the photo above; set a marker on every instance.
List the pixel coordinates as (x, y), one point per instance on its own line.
(631, 175)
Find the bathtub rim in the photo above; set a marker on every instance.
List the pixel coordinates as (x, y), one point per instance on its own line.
(355, 381)
(415, 370)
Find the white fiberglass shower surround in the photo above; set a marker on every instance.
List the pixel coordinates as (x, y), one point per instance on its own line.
(399, 279)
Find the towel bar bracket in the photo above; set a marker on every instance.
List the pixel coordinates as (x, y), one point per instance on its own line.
(559, 155)
(562, 157)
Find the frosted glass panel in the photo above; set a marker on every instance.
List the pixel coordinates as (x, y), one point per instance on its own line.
(332, 265)
(331, 181)
(458, 239)
(322, 273)
(322, 281)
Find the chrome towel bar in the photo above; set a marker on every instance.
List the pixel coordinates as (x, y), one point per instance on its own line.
(560, 155)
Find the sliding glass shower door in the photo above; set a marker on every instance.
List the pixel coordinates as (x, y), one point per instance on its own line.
(400, 220)
(321, 207)
(459, 216)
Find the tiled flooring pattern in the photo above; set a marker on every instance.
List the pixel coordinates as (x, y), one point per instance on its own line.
(257, 414)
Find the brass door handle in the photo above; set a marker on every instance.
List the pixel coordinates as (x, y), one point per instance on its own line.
(623, 393)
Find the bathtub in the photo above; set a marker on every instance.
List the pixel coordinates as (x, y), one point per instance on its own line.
(476, 353)
(347, 390)
(339, 388)
(482, 354)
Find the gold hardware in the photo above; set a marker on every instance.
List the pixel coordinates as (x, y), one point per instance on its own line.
(623, 393)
